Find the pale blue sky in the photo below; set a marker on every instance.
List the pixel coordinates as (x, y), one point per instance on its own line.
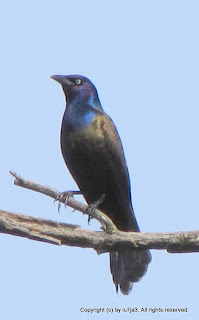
(143, 58)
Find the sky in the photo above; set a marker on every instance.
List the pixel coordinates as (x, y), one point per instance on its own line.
(142, 57)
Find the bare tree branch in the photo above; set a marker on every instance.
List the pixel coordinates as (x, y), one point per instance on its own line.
(103, 241)
(105, 221)
(73, 235)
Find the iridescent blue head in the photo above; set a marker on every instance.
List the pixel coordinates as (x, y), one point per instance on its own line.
(79, 88)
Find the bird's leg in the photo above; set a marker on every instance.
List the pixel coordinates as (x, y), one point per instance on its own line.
(64, 196)
(91, 207)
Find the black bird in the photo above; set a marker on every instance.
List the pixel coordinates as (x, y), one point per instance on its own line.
(94, 155)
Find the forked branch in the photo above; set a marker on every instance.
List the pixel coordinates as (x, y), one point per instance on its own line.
(102, 241)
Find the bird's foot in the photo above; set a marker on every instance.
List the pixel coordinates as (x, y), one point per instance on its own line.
(64, 196)
(91, 207)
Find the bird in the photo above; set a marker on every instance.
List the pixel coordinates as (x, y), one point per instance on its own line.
(93, 152)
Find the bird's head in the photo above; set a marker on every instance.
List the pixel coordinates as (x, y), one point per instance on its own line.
(77, 87)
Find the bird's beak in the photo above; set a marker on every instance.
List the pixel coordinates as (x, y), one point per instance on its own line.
(63, 80)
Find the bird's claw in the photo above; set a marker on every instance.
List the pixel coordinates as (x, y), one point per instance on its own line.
(63, 197)
(89, 211)
(91, 207)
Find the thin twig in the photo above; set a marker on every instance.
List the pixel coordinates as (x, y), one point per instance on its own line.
(105, 221)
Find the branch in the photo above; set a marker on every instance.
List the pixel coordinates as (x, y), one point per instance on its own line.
(73, 235)
(105, 221)
(104, 241)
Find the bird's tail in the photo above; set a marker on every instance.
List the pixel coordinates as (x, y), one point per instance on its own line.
(127, 267)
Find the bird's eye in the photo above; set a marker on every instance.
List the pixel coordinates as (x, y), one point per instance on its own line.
(78, 81)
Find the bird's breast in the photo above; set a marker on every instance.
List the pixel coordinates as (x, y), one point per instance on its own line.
(89, 133)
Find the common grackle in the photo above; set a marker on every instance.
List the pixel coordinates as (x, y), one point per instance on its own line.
(94, 155)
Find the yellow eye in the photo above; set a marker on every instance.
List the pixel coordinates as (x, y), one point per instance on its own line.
(78, 81)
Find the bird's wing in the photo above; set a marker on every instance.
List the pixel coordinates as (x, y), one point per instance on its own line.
(107, 133)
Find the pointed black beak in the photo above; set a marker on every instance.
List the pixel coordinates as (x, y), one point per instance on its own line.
(63, 80)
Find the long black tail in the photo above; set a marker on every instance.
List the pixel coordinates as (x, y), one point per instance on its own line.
(127, 267)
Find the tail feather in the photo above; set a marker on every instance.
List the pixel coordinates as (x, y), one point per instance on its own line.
(127, 267)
